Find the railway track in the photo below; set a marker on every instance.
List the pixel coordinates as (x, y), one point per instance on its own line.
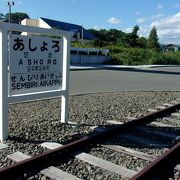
(147, 147)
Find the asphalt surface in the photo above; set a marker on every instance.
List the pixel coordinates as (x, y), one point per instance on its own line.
(124, 78)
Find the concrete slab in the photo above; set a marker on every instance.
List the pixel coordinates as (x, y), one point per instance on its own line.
(161, 107)
(51, 145)
(152, 110)
(156, 132)
(2, 146)
(176, 115)
(72, 123)
(162, 124)
(97, 129)
(145, 141)
(57, 174)
(18, 156)
(177, 167)
(148, 130)
(131, 152)
(103, 164)
(130, 118)
(175, 102)
(115, 122)
(167, 104)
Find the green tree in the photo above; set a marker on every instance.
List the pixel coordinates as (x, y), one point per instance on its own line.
(134, 36)
(117, 37)
(152, 41)
(16, 17)
(142, 41)
(112, 36)
(135, 30)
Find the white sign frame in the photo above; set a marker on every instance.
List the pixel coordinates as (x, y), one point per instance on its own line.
(35, 64)
(6, 98)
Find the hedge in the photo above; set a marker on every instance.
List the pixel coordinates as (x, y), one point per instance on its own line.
(139, 56)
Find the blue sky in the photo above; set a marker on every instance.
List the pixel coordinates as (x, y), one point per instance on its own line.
(118, 14)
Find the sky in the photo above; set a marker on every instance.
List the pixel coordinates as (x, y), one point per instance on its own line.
(109, 14)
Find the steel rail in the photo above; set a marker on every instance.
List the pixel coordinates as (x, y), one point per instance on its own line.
(161, 163)
(35, 162)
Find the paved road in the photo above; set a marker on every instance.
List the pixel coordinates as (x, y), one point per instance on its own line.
(125, 79)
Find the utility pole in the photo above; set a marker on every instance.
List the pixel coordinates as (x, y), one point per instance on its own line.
(10, 3)
(82, 35)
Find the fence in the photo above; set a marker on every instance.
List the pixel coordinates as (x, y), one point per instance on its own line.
(88, 56)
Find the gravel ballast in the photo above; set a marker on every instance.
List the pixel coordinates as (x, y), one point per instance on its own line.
(32, 123)
(40, 120)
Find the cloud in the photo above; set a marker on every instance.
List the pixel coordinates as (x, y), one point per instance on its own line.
(156, 17)
(177, 5)
(159, 6)
(150, 19)
(170, 21)
(138, 13)
(113, 20)
(144, 31)
(141, 20)
(168, 28)
(128, 30)
(153, 18)
(18, 2)
(96, 27)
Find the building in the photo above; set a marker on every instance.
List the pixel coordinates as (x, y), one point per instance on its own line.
(79, 32)
(78, 55)
(171, 47)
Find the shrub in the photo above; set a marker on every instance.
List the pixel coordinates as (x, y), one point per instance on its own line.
(166, 58)
(116, 59)
(139, 56)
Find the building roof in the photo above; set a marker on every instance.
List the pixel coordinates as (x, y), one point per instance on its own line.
(172, 45)
(69, 27)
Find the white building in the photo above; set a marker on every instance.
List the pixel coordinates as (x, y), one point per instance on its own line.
(79, 31)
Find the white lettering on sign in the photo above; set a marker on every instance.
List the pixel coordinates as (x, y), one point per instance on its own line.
(35, 64)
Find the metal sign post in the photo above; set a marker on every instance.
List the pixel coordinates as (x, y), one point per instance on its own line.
(65, 81)
(3, 85)
(32, 67)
